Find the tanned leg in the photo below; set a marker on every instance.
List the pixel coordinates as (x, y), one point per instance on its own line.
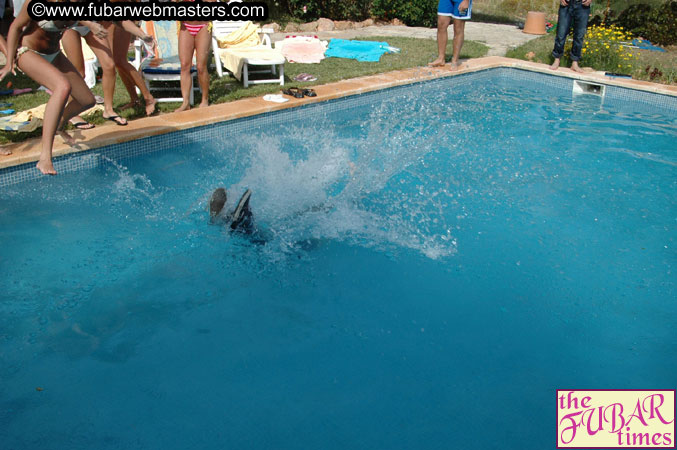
(203, 42)
(105, 57)
(49, 76)
(459, 37)
(186, 50)
(442, 38)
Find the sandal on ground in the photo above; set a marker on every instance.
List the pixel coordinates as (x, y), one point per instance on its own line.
(305, 77)
(83, 125)
(293, 92)
(309, 93)
(121, 121)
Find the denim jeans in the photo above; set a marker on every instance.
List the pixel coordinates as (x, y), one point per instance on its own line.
(577, 14)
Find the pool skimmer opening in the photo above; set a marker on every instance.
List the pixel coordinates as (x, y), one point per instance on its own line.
(584, 87)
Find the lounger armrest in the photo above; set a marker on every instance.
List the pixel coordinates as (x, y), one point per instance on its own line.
(267, 31)
(138, 46)
(265, 40)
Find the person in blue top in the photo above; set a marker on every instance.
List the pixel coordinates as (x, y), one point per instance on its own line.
(459, 11)
(576, 13)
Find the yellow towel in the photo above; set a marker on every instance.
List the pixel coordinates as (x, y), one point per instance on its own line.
(39, 113)
(245, 36)
(87, 52)
(34, 113)
(233, 58)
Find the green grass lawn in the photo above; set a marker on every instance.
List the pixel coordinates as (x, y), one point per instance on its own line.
(665, 62)
(415, 53)
(511, 11)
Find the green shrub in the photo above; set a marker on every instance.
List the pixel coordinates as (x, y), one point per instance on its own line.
(415, 13)
(658, 25)
(309, 10)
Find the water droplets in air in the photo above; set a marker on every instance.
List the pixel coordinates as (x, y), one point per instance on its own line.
(318, 181)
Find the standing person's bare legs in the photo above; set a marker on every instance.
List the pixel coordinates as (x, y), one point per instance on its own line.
(105, 57)
(121, 53)
(186, 50)
(72, 45)
(121, 41)
(203, 41)
(443, 23)
(459, 37)
(62, 86)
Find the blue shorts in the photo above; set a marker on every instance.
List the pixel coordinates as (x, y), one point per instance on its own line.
(450, 8)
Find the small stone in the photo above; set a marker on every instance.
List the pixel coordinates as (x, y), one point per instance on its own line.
(530, 56)
(341, 25)
(291, 27)
(367, 22)
(325, 25)
(310, 26)
(397, 22)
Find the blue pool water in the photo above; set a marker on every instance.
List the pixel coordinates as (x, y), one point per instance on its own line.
(439, 259)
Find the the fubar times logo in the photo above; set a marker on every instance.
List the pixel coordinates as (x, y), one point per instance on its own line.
(616, 418)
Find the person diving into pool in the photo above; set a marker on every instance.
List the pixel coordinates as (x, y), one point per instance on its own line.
(240, 219)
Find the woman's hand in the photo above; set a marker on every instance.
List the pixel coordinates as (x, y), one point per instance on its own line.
(100, 32)
(150, 41)
(9, 67)
(96, 28)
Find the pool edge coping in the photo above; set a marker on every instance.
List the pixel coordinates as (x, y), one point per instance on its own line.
(101, 136)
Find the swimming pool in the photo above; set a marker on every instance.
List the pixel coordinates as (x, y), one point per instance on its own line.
(438, 259)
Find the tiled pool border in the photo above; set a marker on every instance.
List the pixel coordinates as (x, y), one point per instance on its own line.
(175, 129)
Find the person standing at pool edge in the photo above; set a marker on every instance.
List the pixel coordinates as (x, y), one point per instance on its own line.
(576, 13)
(447, 10)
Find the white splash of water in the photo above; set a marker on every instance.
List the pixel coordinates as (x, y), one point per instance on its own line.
(341, 188)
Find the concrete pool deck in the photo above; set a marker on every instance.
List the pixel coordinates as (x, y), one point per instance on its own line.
(28, 151)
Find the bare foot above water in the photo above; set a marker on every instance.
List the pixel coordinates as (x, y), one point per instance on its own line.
(46, 167)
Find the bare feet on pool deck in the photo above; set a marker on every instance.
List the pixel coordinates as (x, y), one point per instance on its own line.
(456, 66)
(5, 152)
(203, 105)
(439, 62)
(183, 107)
(555, 64)
(46, 167)
(150, 107)
(575, 67)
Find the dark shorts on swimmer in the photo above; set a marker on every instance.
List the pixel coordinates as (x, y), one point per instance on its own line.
(450, 8)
